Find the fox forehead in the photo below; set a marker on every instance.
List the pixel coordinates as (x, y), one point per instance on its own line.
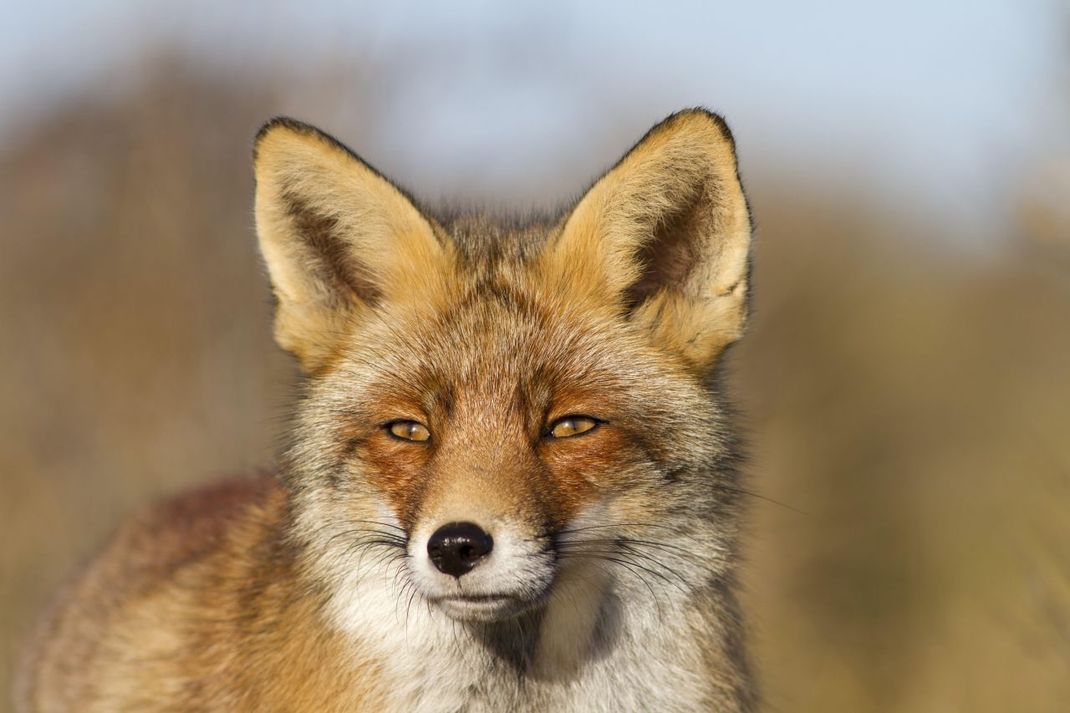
(504, 340)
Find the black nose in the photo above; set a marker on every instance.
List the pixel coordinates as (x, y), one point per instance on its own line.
(458, 547)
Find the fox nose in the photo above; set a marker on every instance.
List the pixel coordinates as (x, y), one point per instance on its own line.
(456, 548)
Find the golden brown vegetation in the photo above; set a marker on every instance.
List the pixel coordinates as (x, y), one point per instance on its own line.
(908, 406)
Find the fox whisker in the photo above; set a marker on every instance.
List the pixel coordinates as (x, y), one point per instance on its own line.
(629, 567)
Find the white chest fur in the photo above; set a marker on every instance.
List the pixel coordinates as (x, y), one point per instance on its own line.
(597, 647)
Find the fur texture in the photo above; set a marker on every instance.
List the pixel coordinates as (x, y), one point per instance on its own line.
(611, 581)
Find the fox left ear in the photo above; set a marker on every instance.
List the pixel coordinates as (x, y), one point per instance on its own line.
(338, 239)
(664, 236)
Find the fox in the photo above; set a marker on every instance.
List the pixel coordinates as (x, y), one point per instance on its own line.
(512, 480)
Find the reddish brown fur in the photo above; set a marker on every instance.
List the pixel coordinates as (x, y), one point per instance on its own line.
(236, 616)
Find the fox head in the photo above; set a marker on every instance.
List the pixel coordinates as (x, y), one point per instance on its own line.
(489, 404)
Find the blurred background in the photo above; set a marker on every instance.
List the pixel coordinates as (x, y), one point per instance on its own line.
(905, 384)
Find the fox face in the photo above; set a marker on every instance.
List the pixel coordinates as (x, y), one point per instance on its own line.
(491, 409)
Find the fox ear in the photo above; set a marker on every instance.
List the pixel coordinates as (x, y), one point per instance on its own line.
(665, 237)
(337, 237)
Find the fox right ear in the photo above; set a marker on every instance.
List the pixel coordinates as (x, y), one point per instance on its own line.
(664, 236)
(337, 237)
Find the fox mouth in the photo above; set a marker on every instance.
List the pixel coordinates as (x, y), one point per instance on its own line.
(481, 607)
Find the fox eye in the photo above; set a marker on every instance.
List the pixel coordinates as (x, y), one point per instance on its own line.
(570, 426)
(408, 431)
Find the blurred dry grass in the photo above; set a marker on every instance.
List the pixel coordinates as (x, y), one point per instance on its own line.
(910, 407)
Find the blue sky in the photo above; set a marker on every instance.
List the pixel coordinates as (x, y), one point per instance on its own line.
(944, 104)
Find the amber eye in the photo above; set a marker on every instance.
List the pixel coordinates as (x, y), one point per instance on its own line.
(408, 431)
(572, 426)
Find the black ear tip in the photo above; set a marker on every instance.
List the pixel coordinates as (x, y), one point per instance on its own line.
(294, 126)
(272, 125)
(282, 122)
(703, 114)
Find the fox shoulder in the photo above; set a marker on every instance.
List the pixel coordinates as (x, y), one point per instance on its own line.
(71, 657)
